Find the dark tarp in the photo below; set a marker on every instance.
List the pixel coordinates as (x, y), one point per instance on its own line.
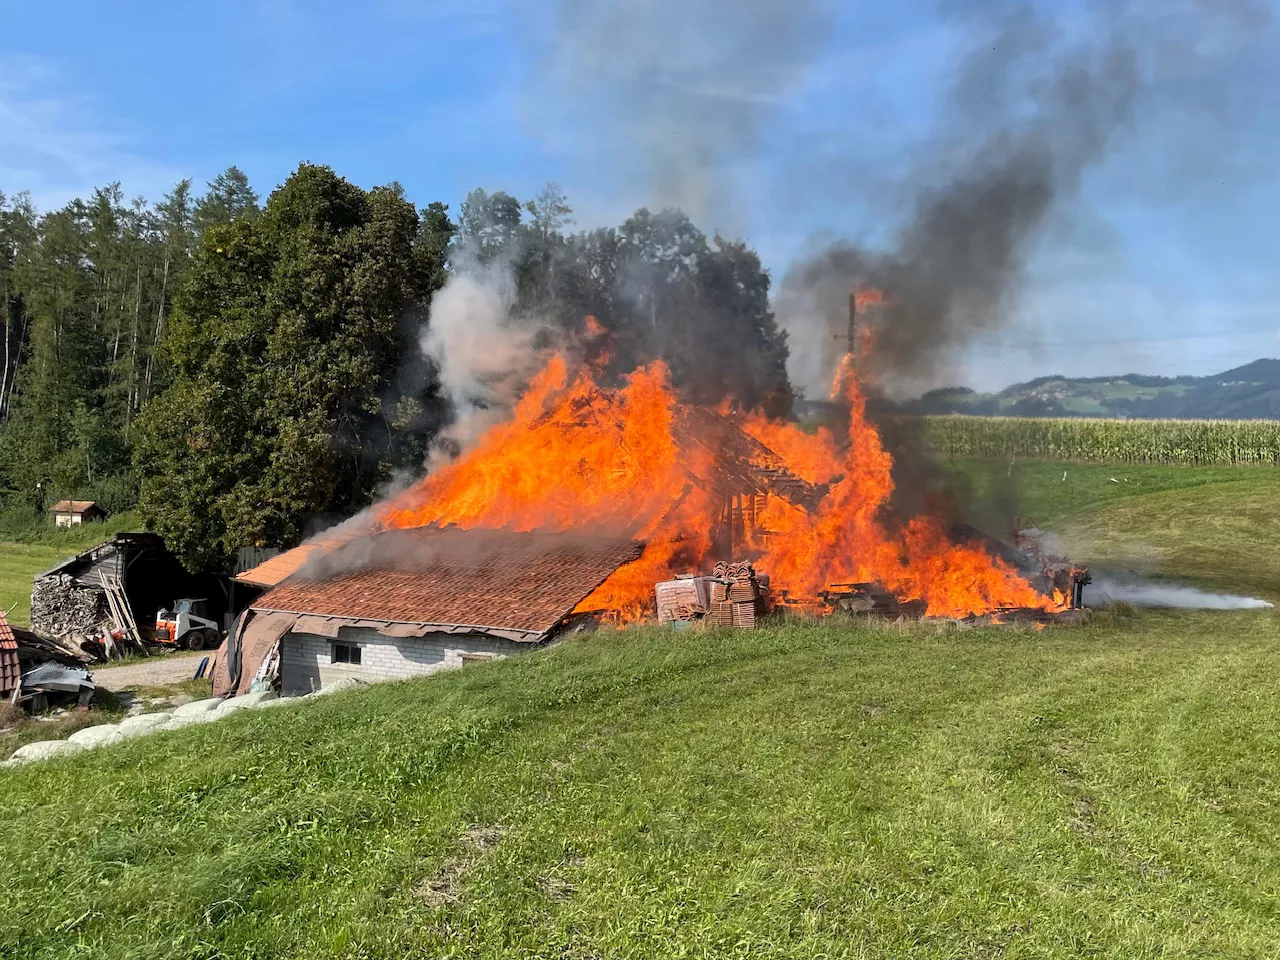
(248, 644)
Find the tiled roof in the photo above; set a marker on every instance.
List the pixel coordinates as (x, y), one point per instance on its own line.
(282, 566)
(10, 669)
(486, 579)
(73, 506)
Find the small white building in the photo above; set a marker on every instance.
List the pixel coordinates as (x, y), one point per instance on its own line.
(72, 513)
(408, 602)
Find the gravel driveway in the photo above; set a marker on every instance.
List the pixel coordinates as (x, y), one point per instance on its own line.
(161, 670)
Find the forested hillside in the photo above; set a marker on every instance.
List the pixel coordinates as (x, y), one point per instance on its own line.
(243, 370)
(1250, 392)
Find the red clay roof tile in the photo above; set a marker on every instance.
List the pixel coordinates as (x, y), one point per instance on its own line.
(10, 668)
(482, 578)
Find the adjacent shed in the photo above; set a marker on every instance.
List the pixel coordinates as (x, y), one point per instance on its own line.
(69, 602)
(409, 602)
(72, 513)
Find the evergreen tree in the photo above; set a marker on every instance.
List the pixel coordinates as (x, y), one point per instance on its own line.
(17, 237)
(287, 342)
(229, 196)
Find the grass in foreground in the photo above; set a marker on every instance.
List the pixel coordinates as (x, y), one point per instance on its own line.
(1106, 791)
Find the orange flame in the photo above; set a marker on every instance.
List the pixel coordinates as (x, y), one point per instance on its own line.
(869, 296)
(575, 456)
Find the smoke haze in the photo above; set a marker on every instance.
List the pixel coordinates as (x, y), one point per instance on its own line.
(677, 91)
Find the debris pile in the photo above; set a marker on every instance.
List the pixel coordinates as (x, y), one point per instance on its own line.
(870, 599)
(37, 674)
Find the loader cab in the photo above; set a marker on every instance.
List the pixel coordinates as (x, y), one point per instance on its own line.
(187, 625)
(197, 608)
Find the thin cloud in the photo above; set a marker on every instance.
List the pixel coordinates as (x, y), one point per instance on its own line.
(58, 146)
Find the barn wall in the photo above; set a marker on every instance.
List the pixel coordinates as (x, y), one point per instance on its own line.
(307, 660)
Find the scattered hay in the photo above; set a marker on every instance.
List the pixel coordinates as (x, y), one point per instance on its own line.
(447, 885)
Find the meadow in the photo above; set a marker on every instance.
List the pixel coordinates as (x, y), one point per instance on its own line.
(31, 545)
(803, 791)
(806, 790)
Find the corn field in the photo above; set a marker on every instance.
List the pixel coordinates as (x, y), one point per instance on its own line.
(1188, 442)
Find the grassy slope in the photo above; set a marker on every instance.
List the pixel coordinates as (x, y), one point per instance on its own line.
(39, 550)
(19, 564)
(1216, 527)
(1105, 791)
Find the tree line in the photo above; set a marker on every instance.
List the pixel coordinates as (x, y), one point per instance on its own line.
(243, 371)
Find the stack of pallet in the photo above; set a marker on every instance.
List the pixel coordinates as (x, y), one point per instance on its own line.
(738, 597)
(683, 599)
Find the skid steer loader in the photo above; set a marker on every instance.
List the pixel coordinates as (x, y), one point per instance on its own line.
(186, 626)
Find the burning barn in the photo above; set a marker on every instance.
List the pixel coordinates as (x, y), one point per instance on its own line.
(579, 506)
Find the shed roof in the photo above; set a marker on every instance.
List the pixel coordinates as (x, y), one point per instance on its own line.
(480, 580)
(273, 572)
(74, 506)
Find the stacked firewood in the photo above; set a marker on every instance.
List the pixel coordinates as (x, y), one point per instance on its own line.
(65, 611)
(738, 597)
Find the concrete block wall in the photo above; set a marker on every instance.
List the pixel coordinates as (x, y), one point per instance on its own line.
(306, 660)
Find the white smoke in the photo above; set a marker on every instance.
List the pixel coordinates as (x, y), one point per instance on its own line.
(482, 359)
(1165, 596)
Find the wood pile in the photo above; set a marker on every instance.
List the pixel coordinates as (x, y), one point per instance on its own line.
(869, 599)
(82, 620)
(67, 612)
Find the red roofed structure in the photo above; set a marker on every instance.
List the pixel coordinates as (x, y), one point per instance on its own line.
(10, 668)
(406, 602)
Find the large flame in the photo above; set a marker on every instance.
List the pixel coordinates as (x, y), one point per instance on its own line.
(576, 457)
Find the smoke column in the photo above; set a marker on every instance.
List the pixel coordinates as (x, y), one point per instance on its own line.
(1046, 95)
(482, 358)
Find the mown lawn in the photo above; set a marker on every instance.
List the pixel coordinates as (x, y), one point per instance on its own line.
(1105, 791)
(1211, 527)
(19, 564)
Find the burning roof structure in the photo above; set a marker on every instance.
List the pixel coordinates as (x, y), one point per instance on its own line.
(518, 586)
(698, 486)
(695, 486)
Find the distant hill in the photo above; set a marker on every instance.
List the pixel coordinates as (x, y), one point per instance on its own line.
(1245, 393)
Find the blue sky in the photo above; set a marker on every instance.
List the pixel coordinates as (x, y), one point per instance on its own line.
(1167, 265)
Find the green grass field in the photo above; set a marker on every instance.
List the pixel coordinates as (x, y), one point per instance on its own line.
(1106, 791)
(40, 549)
(1212, 527)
